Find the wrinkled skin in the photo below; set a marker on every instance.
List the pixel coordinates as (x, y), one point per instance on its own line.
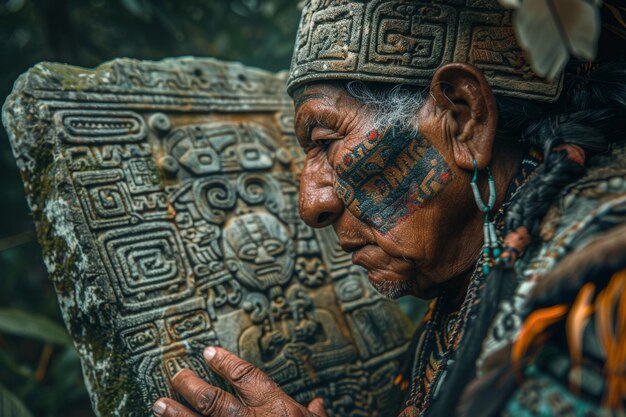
(260, 396)
(420, 246)
(429, 246)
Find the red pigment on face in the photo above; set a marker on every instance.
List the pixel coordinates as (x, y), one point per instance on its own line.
(373, 134)
(445, 177)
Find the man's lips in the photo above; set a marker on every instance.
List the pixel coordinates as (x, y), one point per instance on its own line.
(355, 248)
(380, 265)
(351, 246)
(361, 250)
(364, 251)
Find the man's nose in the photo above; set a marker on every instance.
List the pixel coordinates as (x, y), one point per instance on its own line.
(318, 202)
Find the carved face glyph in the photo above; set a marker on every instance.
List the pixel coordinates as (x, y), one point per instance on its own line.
(258, 250)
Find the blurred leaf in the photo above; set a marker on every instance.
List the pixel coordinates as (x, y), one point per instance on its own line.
(34, 326)
(11, 406)
(66, 380)
(10, 364)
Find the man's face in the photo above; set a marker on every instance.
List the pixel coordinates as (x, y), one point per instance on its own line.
(393, 195)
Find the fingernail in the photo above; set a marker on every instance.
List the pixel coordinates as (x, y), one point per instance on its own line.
(159, 408)
(209, 353)
(179, 372)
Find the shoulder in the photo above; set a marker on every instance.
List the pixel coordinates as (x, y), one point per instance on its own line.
(569, 349)
(585, 211)
(562, 328)
(585, 216)
(583, 235)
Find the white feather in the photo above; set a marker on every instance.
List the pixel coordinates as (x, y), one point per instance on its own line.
(550, 30)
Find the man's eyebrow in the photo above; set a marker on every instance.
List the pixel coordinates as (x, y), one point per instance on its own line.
(303, 97)
(307, 121)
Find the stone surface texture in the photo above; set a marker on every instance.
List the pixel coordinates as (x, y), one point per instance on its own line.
(165, 200)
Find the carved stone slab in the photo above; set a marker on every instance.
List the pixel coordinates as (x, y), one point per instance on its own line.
(164, 195)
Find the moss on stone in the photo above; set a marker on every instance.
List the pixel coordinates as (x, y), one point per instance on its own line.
(72, 78)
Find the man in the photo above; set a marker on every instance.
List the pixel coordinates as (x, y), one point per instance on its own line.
(453, 173)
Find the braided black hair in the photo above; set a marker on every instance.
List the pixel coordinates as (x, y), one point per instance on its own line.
(590, 114)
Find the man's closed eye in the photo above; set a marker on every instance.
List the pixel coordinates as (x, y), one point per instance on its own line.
(323, 136)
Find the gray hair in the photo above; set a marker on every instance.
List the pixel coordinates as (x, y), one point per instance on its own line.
(393, 105)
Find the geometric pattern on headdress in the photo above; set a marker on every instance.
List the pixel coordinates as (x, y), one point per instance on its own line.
(404, 42)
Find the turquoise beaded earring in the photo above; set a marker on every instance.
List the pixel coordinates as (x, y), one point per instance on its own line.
(491, 247)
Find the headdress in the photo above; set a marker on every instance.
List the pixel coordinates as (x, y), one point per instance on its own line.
(405, 41)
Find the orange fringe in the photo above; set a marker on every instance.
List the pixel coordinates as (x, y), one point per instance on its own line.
(610, 318)
(610, 309)
(536, 323)
(575, 325)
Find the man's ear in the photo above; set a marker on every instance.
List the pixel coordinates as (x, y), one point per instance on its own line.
(472, 114)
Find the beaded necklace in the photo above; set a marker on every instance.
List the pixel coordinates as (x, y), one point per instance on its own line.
(443, 331)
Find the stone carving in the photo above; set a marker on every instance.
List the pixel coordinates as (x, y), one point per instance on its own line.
(165, 197)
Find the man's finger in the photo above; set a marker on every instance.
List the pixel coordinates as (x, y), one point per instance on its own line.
(316, 406)
(253, 386)
(205, 398)
(166, 407)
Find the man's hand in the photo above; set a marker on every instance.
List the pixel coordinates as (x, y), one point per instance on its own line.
(260, 396)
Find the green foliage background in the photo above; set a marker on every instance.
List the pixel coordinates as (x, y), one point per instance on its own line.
(38, 365)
